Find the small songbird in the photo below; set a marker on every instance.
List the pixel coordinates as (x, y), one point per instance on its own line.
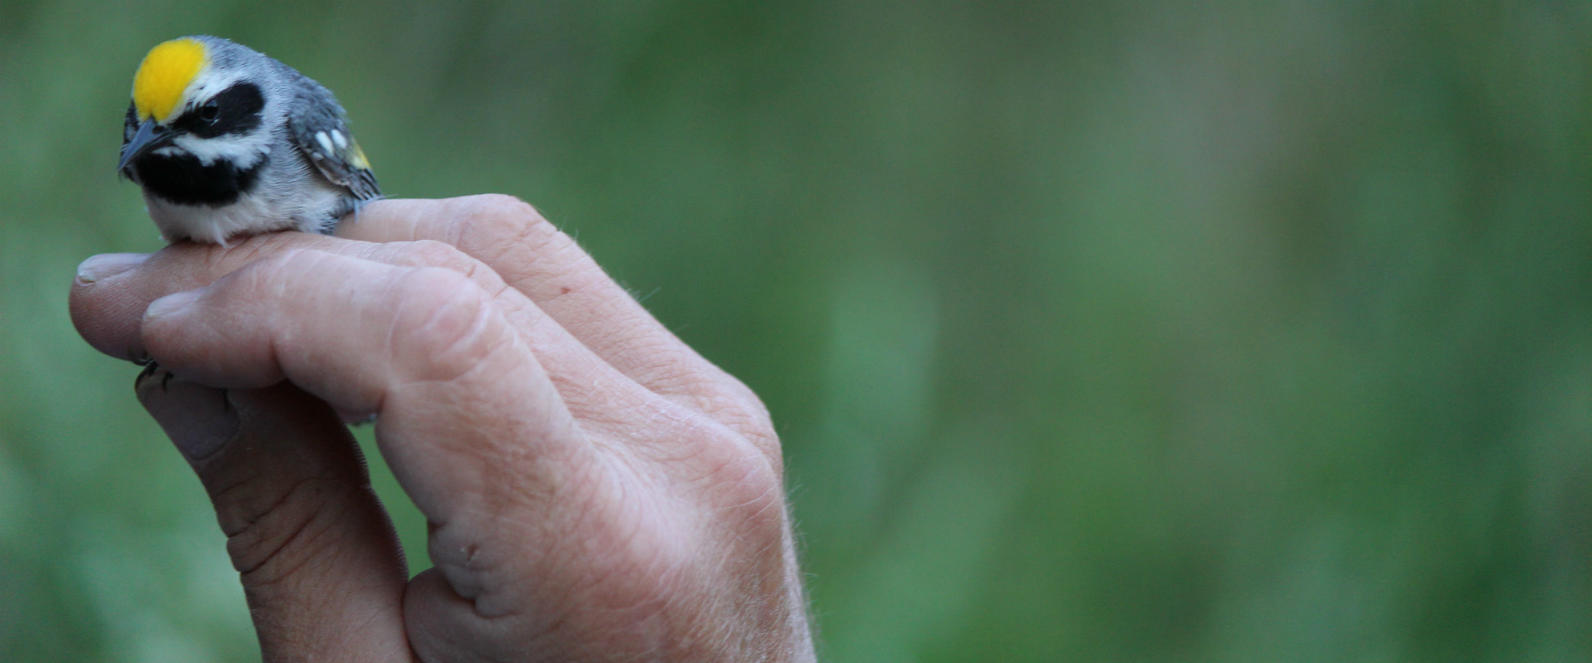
(228, 142)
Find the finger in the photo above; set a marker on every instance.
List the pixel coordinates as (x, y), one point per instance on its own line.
(110, 322)
(443, 625)
(467, 417)
(534, 257)
(320, 564)
(111, 291)
(108, 309)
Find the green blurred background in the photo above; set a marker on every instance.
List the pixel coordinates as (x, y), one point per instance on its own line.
(1094, 331)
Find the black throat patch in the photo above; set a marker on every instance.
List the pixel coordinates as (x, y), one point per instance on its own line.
(182, 179)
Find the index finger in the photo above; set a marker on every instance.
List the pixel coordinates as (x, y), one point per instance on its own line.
(537, 259)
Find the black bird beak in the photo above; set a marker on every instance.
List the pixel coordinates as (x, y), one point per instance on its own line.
(149, 137)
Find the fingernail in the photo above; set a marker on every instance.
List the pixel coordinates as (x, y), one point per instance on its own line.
(199, 420)
(170, 304)
(104, 266)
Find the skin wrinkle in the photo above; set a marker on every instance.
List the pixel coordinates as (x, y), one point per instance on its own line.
(527, 233)
(248, 251)
(154, 336)
(427, 253)
(316, 523)
(512, 345)
(418, 253)
(468, 583)
(708, 628)
(767, 487)
(760, 579)
(764, 498)
(596, 401)
(562, 354)
(487, 459)
(751, 488)
(502, 466)
(559, 473)
(709, 624)
(617, 531)
(444, 319)
(225, 494)
(499, 292)
(483, 581)
(705, 438)
(252, 577)
(370, 617)
(261, 275)
(445, 548)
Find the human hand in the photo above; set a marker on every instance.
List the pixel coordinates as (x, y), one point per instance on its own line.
(594, 489)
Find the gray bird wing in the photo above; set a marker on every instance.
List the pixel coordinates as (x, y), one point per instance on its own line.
(320, 130)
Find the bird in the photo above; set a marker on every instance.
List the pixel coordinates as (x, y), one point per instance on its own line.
(228, 142)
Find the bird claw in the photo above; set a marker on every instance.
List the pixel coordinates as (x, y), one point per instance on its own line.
(150, 369)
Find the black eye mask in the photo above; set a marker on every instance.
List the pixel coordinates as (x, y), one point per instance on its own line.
(235, 110)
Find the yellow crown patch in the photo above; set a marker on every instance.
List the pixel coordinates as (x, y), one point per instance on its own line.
(164, 75)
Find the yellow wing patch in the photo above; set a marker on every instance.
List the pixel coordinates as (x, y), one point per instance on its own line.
(165, 75)
(357, 157)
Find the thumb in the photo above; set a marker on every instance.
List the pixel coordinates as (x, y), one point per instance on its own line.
(317, 555)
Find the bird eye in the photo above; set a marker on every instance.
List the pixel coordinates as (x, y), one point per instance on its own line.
(210, 112)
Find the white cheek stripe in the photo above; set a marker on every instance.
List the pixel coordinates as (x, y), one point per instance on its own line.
(246, 150)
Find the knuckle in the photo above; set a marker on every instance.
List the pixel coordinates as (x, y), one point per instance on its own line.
(720, 461)
(749, 483)
(444, 324)
(432, 253)
(495, 225)
(722, 398)
(745, 413)
(497, 205)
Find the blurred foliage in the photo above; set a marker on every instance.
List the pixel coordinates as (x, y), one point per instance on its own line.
(1094, 331)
